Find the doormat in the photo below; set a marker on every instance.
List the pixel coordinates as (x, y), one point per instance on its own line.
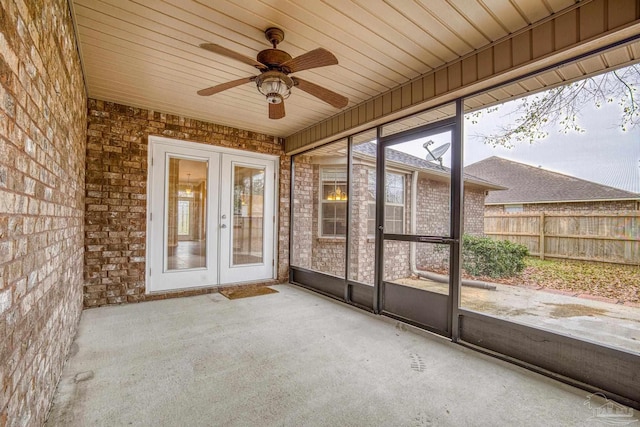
(247, 292)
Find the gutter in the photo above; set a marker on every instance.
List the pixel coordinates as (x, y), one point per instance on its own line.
(548, 202)
(412, 251)
(446, 175)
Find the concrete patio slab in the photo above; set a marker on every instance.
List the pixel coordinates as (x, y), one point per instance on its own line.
(292, 358)
(614, 325)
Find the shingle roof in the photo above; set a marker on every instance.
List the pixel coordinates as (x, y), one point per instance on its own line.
(529, 184)
(622, 173)
(369, 149)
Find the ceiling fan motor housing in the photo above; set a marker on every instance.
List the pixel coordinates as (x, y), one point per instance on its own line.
(273, 57)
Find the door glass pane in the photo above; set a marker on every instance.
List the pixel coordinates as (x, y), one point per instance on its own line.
(186, 214)
(248, 215)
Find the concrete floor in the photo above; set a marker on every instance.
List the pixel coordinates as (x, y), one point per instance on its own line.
(602, 322)
(292, 359)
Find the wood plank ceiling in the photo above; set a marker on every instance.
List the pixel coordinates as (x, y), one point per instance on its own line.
(145, 53)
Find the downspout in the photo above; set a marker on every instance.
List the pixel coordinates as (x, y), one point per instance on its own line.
(414, 207)
(412, 251)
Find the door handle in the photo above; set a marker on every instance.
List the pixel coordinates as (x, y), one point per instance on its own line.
(223, 225)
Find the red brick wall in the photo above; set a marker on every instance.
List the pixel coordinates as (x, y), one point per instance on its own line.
(42, 155)
(116, 189)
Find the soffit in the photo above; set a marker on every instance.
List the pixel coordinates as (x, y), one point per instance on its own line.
(145, 53)
(614, 58)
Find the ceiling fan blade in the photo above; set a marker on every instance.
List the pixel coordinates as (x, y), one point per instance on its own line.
(216, 48)
(224, 86)
(316, 58)
(276, 111)
(328, 96)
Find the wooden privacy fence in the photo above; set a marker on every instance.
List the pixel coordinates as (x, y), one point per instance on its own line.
(607, 237)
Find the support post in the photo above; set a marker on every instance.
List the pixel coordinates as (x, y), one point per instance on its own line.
(457, 223)
(541, 227)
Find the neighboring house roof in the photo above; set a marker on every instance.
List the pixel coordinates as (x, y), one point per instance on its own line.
(369, 149)
(614, 172)
(529, 184)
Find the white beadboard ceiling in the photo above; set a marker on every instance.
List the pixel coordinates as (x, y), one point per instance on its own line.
(145, 53)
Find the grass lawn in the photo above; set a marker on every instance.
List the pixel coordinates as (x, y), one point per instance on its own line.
(618, 282)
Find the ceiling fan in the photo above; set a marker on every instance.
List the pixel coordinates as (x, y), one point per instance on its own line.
(274, 81)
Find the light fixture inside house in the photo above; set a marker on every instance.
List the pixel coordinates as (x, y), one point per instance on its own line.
(275, 85)
(337, 195)
(188, 189)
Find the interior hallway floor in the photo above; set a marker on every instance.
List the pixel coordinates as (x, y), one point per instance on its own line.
(293, 358)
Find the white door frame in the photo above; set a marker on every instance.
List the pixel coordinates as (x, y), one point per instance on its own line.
(213, 238)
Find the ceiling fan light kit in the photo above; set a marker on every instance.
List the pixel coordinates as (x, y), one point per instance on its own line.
(275, 85)
(275, 65)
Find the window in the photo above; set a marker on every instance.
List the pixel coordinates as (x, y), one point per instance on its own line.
(333, 206)
(184, 212)
(513, 208)
(371, 198)
(394, 206)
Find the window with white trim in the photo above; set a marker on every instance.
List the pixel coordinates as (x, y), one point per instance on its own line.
(394, 203)
(333, 202)
(513, 208)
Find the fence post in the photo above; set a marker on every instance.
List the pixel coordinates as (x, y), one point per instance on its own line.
(541, 236)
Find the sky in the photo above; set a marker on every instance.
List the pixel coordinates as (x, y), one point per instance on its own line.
(603, 153)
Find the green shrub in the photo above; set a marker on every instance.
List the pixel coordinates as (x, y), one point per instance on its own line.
(482, 256)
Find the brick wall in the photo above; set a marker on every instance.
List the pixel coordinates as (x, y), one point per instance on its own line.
(474, 211)
(433, 219)
(433, 208)
(116, 188)
(622, 205)
(396, 254)
(327, 255)
(301, 250)
(362, 262)
(42, 155)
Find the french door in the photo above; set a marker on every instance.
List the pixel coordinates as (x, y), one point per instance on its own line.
(211, 216)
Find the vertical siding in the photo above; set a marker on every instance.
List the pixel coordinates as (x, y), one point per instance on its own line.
(559, 34)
